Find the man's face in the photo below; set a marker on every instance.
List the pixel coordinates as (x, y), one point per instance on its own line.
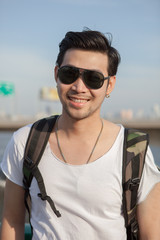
(77, 99)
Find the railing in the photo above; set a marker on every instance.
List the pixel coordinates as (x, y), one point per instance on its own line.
(28, 235)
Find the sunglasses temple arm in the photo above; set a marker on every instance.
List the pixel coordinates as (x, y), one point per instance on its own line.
(108, 82)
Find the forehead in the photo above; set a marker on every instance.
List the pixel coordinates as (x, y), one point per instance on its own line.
(86, 59)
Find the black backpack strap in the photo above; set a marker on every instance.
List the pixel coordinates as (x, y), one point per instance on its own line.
(35, 146)
(43, 195)
(134, 151)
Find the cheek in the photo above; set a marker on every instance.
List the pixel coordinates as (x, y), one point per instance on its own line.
(59, 90)
(62, 89)
(103, 95)
(100, 93)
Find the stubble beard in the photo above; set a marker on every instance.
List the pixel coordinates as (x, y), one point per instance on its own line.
(80, 115)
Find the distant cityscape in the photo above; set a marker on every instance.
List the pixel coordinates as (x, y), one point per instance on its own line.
(129, 114)
(47, 103)
(123, 114)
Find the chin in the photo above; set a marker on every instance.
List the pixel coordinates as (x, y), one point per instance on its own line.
(78, 115)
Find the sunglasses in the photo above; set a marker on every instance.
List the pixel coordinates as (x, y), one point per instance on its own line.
(92, 79)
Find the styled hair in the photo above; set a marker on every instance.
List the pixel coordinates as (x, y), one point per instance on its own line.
(91, 41)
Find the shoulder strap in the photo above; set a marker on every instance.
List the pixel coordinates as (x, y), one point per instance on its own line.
(134, 151)
(35, 146)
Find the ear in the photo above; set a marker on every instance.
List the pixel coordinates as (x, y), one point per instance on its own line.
(111, 84)
(56, 73)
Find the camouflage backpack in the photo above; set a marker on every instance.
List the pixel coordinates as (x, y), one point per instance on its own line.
(134, 151)
(135, 147)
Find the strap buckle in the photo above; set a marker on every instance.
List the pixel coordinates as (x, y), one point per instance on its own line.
(28, 161)
(134, 230)
(131, 184)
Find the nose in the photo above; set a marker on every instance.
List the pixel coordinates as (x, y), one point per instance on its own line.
(79, 85)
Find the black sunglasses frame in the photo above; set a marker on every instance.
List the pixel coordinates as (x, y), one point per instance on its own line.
(85, 73)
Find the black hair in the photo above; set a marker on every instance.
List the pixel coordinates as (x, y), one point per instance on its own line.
(91, 41)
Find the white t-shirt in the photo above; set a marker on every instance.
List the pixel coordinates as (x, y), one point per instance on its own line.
(89, 197)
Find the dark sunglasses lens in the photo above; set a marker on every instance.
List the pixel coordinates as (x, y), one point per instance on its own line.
(93, 79)
(68, 75)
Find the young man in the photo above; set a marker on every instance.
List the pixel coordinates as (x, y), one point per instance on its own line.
(82, 163)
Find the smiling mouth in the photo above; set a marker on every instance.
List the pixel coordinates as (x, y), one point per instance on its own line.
(78, 100)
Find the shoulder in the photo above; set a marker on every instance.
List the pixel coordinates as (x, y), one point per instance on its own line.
(150, 176)
(113, 130)
(113, 135)
(12, 161)
(19, 137)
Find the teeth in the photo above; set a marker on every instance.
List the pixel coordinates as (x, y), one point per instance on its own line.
(78, 100)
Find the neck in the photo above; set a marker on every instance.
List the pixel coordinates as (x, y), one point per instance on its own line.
(72, 130)
(79, 127)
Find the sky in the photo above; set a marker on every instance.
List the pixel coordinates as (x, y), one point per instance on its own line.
(30, 31)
